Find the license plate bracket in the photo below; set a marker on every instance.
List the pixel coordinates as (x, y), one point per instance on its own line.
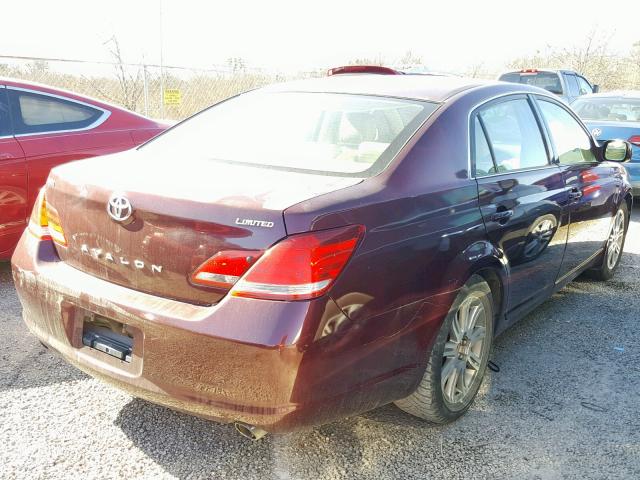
(108, 336)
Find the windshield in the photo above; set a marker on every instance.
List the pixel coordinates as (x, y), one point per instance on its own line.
(547, 80)
(614, 109)
(327, 133)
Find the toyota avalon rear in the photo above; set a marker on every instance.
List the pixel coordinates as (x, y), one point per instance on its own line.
(173, 271)
(314, 250)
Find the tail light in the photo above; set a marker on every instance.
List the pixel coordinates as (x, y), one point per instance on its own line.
(44, 222)
(38, 223)
(635, 140)
(225, 268)
(299, 267)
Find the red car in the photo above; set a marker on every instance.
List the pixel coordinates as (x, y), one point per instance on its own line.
(41, 127)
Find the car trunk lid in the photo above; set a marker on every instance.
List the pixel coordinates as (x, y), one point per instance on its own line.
(182, 216)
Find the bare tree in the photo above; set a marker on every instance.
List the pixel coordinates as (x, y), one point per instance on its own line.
(237, 64)
(635, 65)
(592, 57)
(377, 60)
(479, 70)
(131, 85)
(410, 59)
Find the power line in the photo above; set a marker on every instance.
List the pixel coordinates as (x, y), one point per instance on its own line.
(218, 69)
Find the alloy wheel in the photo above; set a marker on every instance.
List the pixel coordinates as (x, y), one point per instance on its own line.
(616, 239)
(464, 351)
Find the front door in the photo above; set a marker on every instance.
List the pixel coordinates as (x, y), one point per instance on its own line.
(592, 187)
(520, 195)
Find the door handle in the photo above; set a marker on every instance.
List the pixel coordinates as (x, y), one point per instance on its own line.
(502, 216)
(575, 194)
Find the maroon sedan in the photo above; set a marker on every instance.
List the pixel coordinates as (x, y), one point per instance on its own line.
(316, 249)
(41, 127)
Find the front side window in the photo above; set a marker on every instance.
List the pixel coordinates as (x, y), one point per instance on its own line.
(514, 136)
(35, 113)
(584, 86)
(571, 141)
(325, 133)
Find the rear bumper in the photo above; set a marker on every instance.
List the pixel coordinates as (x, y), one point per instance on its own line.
(254, 361)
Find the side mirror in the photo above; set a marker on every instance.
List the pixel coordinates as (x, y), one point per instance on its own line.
(596, 88)
(617, 150)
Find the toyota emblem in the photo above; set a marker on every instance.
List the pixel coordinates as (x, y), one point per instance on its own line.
(596, 132)
(119, 207)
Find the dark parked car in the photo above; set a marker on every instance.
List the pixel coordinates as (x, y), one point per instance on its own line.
(41, 127)
(567, 84)
(322, 247)
(615, 115)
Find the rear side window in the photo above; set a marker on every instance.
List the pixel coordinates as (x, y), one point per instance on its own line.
(35, 113)
(513, 135)
(482, 153)
(571, 141)
(5, 119)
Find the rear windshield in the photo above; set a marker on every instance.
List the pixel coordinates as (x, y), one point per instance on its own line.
(615, 109)
(326, 133)
(547, 80)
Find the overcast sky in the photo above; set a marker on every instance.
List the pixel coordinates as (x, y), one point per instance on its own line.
(302, 35)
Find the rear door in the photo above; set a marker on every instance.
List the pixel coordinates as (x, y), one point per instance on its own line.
(52, 130)
(592, 187)
(520, 195)
(13, 183)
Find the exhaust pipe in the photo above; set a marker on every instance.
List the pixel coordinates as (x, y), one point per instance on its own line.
(249, 431)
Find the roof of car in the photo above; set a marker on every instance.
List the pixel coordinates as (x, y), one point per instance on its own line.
(614, 94)
(420, 87)
(542, 69)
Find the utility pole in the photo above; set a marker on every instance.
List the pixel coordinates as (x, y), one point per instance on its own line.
(161, 67)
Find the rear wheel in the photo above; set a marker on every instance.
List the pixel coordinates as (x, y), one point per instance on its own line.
(458, 360)
(614, 247)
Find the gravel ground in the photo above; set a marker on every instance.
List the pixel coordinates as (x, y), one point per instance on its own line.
(564, 405)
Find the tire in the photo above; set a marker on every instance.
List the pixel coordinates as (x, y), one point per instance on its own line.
(614, 247)
(435, 400)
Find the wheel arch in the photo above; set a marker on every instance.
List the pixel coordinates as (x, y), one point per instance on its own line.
(484, 259)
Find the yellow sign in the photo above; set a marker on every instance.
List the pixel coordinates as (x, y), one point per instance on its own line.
(172, 96)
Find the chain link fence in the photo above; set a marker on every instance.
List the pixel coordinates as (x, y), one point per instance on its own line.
(166, 92)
